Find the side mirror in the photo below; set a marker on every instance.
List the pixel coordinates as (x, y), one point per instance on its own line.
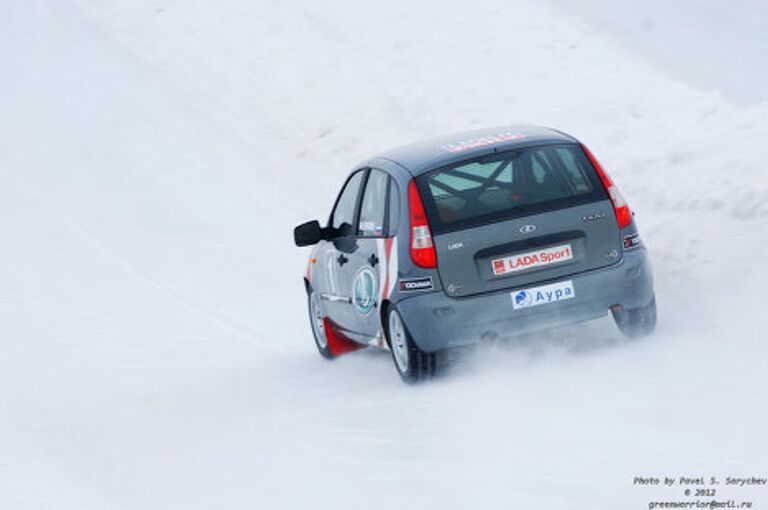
(308, 233)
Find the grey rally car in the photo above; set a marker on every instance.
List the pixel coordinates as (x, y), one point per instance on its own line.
(477, 235)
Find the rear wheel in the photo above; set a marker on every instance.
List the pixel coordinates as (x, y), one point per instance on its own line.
(636, 322)
(412, 363)
(317, 321)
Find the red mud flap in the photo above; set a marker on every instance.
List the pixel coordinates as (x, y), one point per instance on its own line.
(338, 344)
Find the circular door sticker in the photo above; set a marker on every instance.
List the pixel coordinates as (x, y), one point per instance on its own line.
(364, 290)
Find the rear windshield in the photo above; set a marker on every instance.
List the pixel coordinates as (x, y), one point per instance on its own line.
(508, 185)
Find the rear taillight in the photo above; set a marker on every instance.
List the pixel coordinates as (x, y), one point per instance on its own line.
(422, 248)
(620, 206)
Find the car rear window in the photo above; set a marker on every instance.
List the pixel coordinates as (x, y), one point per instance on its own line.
(508, 185)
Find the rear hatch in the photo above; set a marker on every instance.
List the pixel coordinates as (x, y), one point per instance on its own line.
(519, 217)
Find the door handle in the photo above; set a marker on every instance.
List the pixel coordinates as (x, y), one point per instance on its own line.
(335, 298)
(341, 259)
(373, 260)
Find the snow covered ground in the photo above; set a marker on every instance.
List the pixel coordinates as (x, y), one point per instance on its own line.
(154, 347)
(709, 44)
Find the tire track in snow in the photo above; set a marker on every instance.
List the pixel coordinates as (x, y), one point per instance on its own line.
(57, 214)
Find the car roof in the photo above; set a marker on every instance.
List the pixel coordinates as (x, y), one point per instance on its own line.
(420, 157)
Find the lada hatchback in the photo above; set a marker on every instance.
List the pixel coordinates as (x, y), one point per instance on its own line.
(477, 235)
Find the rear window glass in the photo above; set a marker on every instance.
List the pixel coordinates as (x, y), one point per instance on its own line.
(507, 185)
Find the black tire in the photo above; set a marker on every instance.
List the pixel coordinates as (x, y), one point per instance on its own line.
(637, 322)
(413, 364)
(317, 324)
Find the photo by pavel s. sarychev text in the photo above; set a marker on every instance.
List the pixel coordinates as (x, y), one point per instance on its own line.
(704, 492)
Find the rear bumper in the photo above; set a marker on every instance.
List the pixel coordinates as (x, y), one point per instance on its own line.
(437, 321)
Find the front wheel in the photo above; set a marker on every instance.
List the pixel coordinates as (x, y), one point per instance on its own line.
(637, 322)
(412, 363)
(317, 320)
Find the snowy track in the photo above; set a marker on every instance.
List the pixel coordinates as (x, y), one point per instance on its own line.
(154, 346)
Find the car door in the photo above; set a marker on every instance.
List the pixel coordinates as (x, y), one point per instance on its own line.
(365, 273)
(333, 255)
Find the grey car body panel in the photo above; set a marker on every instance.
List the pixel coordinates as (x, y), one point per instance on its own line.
(438, 318)
(405, 268)
(437, 321)
(468, 270)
